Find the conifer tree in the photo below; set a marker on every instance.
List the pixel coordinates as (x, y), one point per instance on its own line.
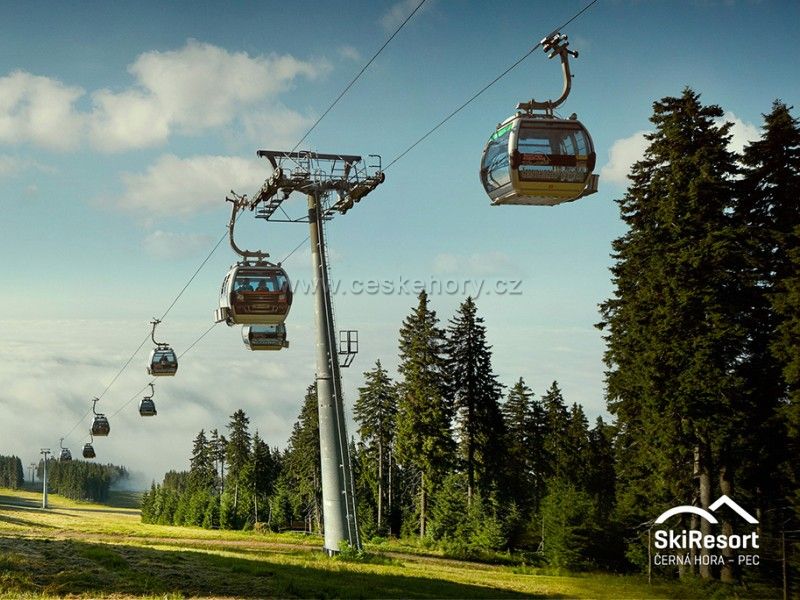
(201, 469)
(218, 447)
(555, 442)
(424, 439)
(673, 327)
(375, 412)
(770, 208)
(524, 422)
(301, 472)
(264, 474)
(474, 392)
(237, 451)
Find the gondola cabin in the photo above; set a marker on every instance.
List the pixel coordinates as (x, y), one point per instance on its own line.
(254, 293)
(65, 455)
(265, 337)
(162, 362)
(88, 451)
(100, 425)
(147, 408)
(540, 160)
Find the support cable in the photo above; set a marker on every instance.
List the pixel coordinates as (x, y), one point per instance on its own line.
(359, 74)
(144, 341)
(484, 88)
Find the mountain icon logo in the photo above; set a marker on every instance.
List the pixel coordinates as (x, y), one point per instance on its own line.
(722, 500)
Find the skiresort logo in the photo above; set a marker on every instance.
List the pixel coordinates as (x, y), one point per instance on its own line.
(686, 546)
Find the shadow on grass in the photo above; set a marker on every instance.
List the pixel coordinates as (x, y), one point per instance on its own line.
(24, 522)
(16, 501)
(99, 509)
(61, 567)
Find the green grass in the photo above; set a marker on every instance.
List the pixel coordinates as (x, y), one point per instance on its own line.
(87, 550)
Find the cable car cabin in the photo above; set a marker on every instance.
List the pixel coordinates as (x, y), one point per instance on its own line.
(65, 455)
(88, 451)
(265, 337)
(254, 293)
(163, 362)
(538, 160)
(147, 408)
(100, 425)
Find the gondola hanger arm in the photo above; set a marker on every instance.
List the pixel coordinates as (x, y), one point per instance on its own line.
(555, 44)
(238, 203)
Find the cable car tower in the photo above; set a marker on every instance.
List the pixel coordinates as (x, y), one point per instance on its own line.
(348, 179)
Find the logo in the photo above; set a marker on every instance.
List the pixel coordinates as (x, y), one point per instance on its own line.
(682, 544)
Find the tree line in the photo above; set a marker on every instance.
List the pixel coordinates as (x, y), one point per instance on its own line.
(81, 480)
(703, 382)
(440, 456)
(12, 475)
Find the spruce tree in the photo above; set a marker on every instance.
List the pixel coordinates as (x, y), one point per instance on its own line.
(525, 465)
(770, 207)
(201, 469)
(424, 440)
(673, 328)
(237, 451)
(218, 447)
(375, 412)
(555, 439)
(263, 474)
(475, 393)
(301, 473)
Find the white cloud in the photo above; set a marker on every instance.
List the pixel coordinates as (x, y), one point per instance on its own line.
(189, 90)
(626, 151)
(742, 133)
(167, 244)
(45, 389)
(129, 119)
(398, 13)
(621, 156)
(278, 126)
(39, 110)
(182, 186)
(186, 91)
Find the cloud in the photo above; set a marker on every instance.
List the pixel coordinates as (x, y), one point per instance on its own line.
(13, 165)
(187, 91)
(621, 156)
(45, 389)
(398, 13)
(489, 264)
(350, 53)
(190, 90)
(742, 132)
(39, 110)
(181, 186)
(626, 151)
(166, 244)
(278, 126)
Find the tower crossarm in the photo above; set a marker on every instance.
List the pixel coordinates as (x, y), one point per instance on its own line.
(315, 173)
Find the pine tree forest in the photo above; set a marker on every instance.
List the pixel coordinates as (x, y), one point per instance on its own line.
(702, 333)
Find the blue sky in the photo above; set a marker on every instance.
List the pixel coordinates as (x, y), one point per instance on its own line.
(123, 125)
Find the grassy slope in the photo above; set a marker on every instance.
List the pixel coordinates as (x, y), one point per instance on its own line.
(102, 551)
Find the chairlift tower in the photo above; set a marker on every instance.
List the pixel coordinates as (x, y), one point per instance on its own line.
(333, 184)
